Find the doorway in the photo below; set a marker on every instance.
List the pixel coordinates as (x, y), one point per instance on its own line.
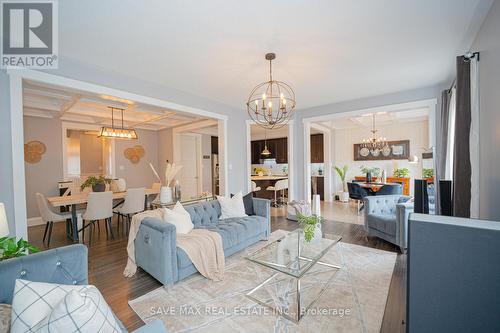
(190, 159)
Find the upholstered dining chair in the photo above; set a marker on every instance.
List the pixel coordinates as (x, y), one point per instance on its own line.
(357, 193)
(134, 203)
(49, 216)
(99, 207)
(390, 189)
(280, 185)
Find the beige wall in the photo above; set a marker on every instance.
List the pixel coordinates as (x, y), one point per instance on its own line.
(344, 139)
(43, 176)
(165, 150)
(90, 155)
(140, 174)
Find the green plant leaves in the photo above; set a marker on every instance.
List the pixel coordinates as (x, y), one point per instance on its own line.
(10, 248)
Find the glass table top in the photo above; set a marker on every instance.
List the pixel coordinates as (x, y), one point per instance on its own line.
(185, 201)
(291, 254)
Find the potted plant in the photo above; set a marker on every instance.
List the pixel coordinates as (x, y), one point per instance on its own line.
(402, 173)
(12, 248)
(98, 184)
(427, 172)
(311, 225)
(344, 195)
(372, 172)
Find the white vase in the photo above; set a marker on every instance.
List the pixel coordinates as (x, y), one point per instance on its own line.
(166, 194)
(318, 234)
(344, 196)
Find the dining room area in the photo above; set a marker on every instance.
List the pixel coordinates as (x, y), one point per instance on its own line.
(93, 161)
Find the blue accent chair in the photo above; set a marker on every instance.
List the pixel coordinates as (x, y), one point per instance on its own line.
(386, 216)
(155, 244)
(64, 265)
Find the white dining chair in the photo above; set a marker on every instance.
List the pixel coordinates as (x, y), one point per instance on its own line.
(134, 203)
(49, 216)
(99, 207)
(280, 185)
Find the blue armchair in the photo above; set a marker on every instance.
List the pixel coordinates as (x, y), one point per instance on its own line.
(386, 216)
(65, 265)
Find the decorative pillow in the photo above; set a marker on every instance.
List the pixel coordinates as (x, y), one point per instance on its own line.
(5, 313)
(248, 203)
(83, 311)
(232, 207)
(33, 301)
(179, 217)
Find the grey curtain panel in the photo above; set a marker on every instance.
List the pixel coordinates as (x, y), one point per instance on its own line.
(461, 156)
(442, 140)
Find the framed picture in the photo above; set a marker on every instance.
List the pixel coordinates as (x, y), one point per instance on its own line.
(395, 150)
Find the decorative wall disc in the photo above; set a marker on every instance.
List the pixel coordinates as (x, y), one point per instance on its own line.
(33, 151)
(134, 154)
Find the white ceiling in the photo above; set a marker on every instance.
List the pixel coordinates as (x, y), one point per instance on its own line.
(40, 100)
(381, 118)
(328, 50)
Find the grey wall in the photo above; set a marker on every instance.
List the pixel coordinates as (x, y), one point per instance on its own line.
(6, 185)
(488, 43)
(43, 176)
(140, 174)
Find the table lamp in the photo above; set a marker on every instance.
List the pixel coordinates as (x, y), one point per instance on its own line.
(4, 225)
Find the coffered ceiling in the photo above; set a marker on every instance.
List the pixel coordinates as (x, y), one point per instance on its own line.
(328, 50)
(75, 106)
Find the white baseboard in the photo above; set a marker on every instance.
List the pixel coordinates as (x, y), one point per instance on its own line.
(32, 221)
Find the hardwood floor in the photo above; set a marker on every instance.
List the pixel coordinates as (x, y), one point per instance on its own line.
(107, 259)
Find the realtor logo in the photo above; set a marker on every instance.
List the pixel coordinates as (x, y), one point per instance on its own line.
(29, 34)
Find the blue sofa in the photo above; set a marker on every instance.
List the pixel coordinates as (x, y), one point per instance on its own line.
(65, 265)
(386, 216)
(155, 244)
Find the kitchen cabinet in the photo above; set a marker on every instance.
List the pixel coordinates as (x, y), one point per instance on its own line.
(317, 148)
(318, 186)
(277, 147)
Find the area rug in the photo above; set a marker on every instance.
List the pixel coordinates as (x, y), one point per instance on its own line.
(354, 300)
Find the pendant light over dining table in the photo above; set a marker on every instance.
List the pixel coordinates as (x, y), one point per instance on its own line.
(271, 103)
(117, 132)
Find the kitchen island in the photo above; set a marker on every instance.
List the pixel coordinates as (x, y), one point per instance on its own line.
(263, 182)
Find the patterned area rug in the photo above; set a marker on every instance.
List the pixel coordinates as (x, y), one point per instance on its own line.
(354, 299)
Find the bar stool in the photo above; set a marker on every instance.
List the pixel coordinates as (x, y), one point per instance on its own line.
(255, 188)
(280, 185)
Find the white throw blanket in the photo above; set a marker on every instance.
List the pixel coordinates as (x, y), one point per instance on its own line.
(131, 267)
(203, 247)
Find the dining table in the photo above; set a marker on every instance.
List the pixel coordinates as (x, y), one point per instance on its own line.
(374, 186)
(82, 198)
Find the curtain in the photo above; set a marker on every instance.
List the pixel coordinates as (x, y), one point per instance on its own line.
(461, 155)
(474, 137)
(442, 139)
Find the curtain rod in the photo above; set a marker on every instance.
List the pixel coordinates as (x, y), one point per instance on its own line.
(470, 55)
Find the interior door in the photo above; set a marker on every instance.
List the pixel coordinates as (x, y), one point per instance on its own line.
(190, 155)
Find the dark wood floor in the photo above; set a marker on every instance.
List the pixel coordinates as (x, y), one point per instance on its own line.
(107, 259)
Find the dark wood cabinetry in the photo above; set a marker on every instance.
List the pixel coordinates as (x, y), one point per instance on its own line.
(277, 147)
(215, 145)
(318, 186)
(317, 149)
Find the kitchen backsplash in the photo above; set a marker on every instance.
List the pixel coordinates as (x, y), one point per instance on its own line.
(317, 169)
(276, 169)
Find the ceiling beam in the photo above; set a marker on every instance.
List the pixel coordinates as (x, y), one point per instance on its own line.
(195, 125)
(68, 105)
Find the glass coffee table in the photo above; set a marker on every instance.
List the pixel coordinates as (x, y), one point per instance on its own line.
(293, 256)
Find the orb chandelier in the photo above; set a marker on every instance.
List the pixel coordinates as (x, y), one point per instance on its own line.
(271, 103)
(375, 144)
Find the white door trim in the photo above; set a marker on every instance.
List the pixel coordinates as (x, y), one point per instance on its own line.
(291, 168)
(429, 103)
(327, 162)
(17, 144)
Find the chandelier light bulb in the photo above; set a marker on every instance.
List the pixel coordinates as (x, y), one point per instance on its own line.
(264, 97)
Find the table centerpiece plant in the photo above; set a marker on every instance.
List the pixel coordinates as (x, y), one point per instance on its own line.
(401, 173)
(98, 184)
